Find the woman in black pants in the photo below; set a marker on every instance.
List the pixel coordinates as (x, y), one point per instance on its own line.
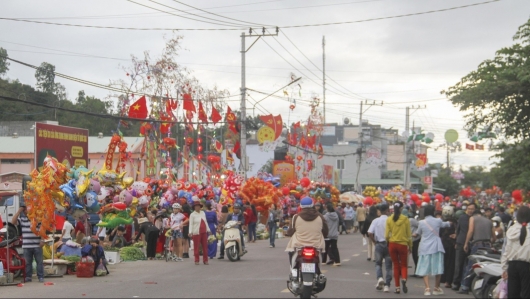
(449, 247)
(150, 232)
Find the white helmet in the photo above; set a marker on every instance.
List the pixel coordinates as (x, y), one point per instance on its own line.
(176, 206)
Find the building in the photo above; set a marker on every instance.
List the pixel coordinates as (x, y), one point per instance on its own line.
(382, 163)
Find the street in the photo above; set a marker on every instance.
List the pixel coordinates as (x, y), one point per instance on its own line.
(262, 273)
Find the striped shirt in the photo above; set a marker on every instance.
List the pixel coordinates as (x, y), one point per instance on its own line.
(29, 239)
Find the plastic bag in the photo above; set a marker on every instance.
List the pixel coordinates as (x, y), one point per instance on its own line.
(501, 291)
(101, 270)
(364, 242)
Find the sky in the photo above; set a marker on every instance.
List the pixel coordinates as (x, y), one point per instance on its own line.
(399, 62)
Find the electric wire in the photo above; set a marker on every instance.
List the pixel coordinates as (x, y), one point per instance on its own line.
(211, 13)
(232, 29)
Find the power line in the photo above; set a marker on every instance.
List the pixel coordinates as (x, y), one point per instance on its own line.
(211, 13)
(232, 29)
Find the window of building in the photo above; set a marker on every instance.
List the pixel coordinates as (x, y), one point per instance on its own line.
(15, 161)
(340, 163)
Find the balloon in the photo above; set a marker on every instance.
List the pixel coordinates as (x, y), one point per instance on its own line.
(199, 148)
(285, 191)
(439, 196)
(119, 205)
(368, 201)
(414, 197)
(199, 141)
(305, 182)
(126, 197)
(110, 177)
(426, 198)
(517, 196)
(199, 156)
(94, 186)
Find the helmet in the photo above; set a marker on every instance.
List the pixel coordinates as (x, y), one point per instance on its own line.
(448, 212)
(237, 206)
(306, 202)
(176, 206)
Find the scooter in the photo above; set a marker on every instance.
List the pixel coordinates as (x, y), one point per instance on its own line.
(232, 240)
(9, 255)
(487, 272)
(305, 279)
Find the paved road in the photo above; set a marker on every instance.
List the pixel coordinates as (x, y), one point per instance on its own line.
(262, 273)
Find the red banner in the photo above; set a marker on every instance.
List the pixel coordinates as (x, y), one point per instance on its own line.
(328, 174)
(69, 145)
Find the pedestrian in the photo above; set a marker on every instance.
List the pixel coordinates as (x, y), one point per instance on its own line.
(348, 218)
(213, 223)
(161, 223)
(96, 252)
(251, 218)
(332, 221)
(399, 238)
(102, 231)
(177, 220)
(415, 238)
(460, 254)
(199, 231)
(448, 241)
(223, 215)
(31, 244)
(119, 241)
(79, 231)
(431, 250)
(150, 235)
(377, 235)
(504, 216)
(272, 224)
(479, 235)
(515, 260)
(68, 228)
(361, 215)
(186, 210)
(372, 215)
(340, 213)
(355, 221)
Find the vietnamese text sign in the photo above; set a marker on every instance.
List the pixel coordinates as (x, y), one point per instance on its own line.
(285, 170)
(69, 145)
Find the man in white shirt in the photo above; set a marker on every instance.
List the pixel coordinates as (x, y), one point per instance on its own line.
(68, 228)
(377, 235)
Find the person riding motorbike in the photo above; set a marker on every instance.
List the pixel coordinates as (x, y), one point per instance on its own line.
(307, 228)
(240, 219)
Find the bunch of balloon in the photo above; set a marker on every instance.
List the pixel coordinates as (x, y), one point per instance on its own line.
(199, 149)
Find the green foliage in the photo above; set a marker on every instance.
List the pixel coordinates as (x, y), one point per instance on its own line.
(445, 181)
(477, 176)
(498, 92)
(4, 64)
(513, 170)
(45, 75)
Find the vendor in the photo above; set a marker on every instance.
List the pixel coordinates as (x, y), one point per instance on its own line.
(119, 240)
(94, 250)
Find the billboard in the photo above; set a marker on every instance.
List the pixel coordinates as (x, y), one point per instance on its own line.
(68, 145)
(284, 170)
(328, 174)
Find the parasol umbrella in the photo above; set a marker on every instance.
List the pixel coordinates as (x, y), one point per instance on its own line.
(349, 197)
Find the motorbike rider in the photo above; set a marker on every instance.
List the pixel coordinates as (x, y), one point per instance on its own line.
(307, 228)
(240, 219)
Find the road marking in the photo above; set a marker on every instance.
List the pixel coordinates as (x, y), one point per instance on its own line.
(285, 291)
(346, 260)
(356, 254)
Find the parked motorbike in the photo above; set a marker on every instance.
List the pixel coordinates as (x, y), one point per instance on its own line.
(305, 279)
(488, 272)
(9, 250)
(232, 240)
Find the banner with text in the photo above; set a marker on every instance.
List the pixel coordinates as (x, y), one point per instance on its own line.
(68, 145)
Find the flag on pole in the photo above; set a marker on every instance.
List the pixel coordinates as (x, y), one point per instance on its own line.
(215, 116)
(202, 115)
(138, 109)
(480, 147)
(470, 147)
(188, 102)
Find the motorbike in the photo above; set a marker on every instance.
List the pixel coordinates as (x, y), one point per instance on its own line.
(487, 273)
(232, 240)
(305, 279)
(11, 249)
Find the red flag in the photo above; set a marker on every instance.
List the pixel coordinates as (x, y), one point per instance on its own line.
(165, 127)
(470, 147)
(278, 125)
(480, 147)
(233, 128)
(237, 150)
(268, 120)
(188, 102)
(202, 115)
(296, 125)
(215, 116)
(320, 151)
(138, 109)
(230, 116)
(294, 139)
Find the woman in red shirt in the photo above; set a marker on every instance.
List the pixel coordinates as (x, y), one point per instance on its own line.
(79, 231)
(251, 217)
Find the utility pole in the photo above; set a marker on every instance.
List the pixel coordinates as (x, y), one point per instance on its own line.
(409, 152)
(360, 149)
(324, 75)
(243, 164)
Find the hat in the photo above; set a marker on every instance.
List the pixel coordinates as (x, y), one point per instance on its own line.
(496, 218)
(142, 220)
(160, 213)
(176, 206)
(195, 198)
(197, 203)
(237, 206)
(306, 202)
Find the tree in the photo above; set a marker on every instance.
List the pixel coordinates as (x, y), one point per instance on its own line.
(4, 64)
(477, 176)
(513, 170)
(498, 92)
(45, 75)
(445, 181)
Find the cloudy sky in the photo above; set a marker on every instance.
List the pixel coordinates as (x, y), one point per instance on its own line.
(400, 61)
